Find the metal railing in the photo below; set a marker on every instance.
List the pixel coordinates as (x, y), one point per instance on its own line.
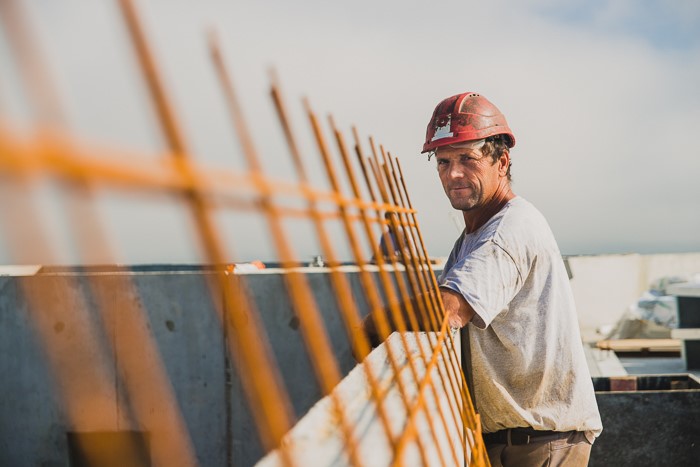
(375, 204)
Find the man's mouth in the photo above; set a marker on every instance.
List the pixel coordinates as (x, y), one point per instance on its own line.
(460, 188)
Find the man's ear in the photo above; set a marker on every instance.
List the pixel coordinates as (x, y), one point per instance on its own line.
(503, 163)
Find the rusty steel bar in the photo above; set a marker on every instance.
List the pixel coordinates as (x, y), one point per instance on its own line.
(251, 352)
(53, 154)
(360, 159)
(49, 113)
(411, 312)
(281, 110)
(353, 182)
(419, 292)
(311, 323)
(50, 153)
(434, 306)
(472, 418)
(345, 300)
(365, 279)
(335, 183)
(359, 153)
(166, 118)
(417, 284)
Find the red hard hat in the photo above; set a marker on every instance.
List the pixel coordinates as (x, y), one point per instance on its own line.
(465, 117)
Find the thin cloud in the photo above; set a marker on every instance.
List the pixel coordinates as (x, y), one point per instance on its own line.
(603, 112)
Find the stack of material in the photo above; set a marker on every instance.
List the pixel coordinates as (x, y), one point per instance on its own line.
(647, 324)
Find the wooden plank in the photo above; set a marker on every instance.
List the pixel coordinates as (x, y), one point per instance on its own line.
(686, 334)
(640, 345)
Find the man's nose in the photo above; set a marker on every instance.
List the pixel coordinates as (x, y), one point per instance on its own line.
(455, 171)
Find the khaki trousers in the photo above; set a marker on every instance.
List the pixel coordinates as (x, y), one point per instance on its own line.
(573, 451)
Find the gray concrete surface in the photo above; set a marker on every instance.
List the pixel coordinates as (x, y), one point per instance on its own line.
(318, 441)
(181, 320)
(603, 362)
(659, 424)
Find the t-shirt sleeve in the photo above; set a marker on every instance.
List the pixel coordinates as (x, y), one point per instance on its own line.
(452, 258)
(487, 278)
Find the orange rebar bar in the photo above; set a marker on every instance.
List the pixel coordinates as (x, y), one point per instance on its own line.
(472, 419)
(393, 302)
(315, 336)
(353, 182)
(365, 173)
(427, 277)
(411, 313)
(339, 281)
(251, 351)
(48, 111)
(418, 287)
(401, 275)
(410, 262)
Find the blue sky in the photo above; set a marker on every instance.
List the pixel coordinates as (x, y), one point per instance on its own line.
(670, 25)
(602, 97)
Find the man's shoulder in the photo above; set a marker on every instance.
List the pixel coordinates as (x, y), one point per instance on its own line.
(520, 207)
(521, 223)
(516, 214)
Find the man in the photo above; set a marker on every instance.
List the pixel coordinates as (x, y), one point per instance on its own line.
(389, 245)
(506, 286)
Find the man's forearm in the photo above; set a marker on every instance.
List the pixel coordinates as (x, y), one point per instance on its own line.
(413, 315)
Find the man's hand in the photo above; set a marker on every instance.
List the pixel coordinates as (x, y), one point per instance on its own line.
(370, 329)
(459, 312)
(419, 321)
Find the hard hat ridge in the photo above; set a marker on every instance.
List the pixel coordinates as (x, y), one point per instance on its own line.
(465, 117)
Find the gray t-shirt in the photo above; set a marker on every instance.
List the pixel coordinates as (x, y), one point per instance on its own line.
(527, 360)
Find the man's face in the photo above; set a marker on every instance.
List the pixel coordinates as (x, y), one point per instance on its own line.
(468, 177)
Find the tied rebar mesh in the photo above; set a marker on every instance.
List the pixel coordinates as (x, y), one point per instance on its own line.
(367, 196)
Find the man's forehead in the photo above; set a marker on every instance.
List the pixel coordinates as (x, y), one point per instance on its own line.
(474, 144)
(470, 146)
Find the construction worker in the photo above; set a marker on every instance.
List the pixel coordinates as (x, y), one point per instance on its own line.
(389, 244)
(506, 287)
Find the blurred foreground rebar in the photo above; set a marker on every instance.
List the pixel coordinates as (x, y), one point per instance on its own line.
(367, 200)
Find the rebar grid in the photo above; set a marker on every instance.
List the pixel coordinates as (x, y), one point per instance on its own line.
(404, 277)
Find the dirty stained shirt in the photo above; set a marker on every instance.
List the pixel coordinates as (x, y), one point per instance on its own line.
(527, 360)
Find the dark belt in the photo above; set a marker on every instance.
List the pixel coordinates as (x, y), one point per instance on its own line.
(517, 436)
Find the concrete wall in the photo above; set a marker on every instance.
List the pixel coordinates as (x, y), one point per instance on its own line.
(655, 425)
(318, 441)
(180, 319)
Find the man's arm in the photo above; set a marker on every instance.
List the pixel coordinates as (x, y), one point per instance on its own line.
(459, 311)
(459, 314)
